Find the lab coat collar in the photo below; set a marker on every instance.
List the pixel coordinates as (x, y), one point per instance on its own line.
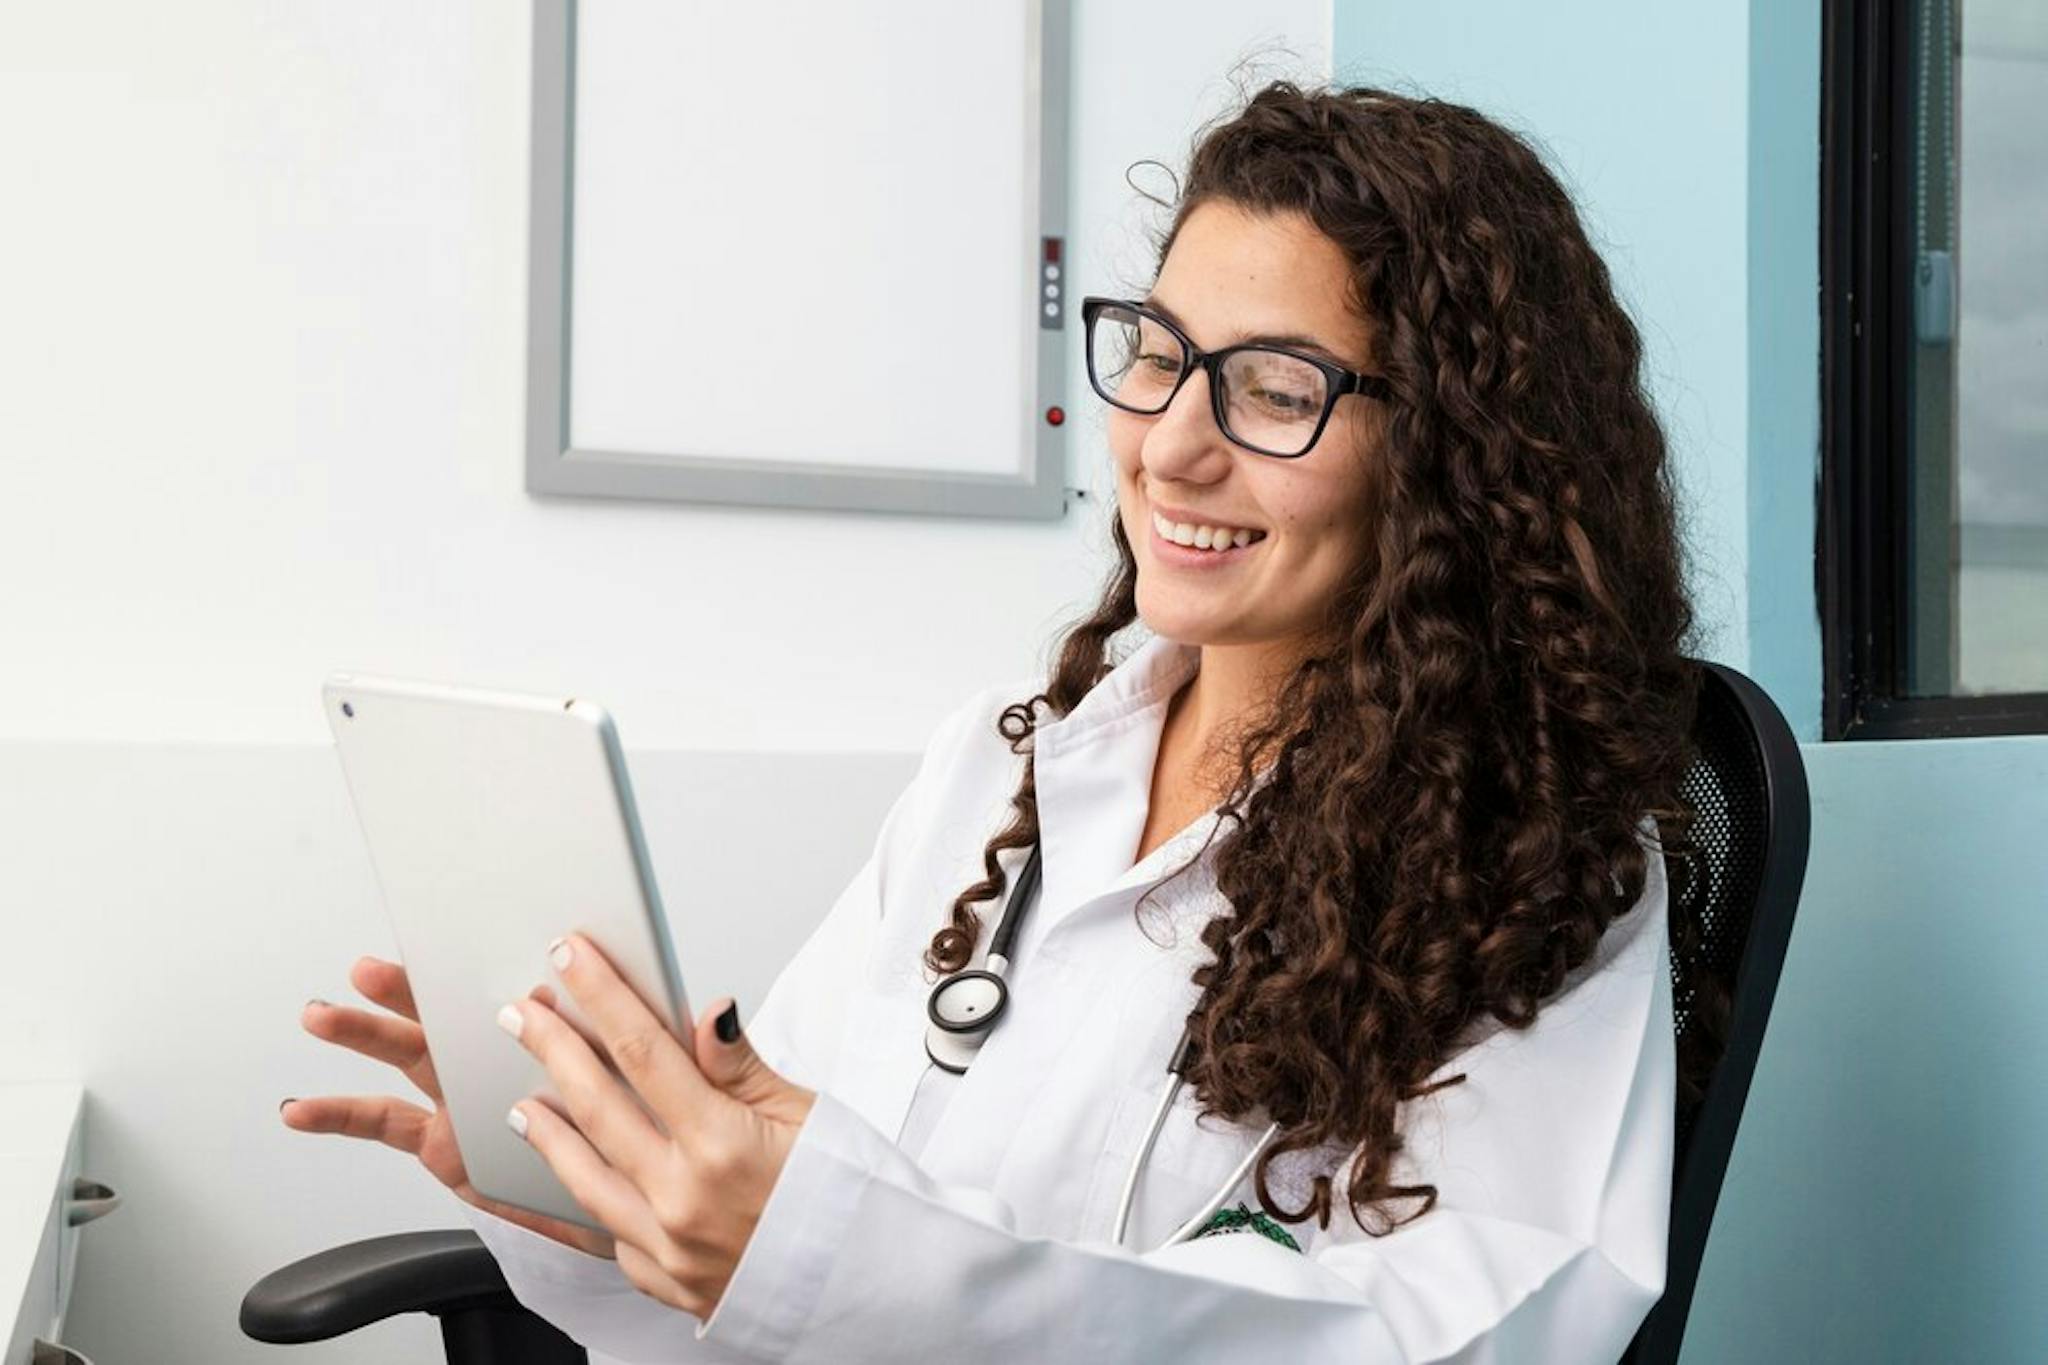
(1093, 770)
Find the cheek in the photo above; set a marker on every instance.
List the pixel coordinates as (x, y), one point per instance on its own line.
(1324, 520)
(1125, 436)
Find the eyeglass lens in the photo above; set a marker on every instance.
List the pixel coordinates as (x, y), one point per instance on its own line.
(1270, 400)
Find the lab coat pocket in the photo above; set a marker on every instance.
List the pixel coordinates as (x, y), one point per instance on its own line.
(881, 1058)
(1192, 1155)
(1199, 1148)
(1189, 1162)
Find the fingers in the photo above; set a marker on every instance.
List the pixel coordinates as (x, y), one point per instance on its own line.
(645, 1274)
(386, 984)
(730, 1063)
(379, 1118)
(600, 1244)
(638, 1041)
(723, 1056)
(598, 1102)
(604, 1193)
(396, 1042)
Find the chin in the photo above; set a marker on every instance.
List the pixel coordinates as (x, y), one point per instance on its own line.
(1180, 626)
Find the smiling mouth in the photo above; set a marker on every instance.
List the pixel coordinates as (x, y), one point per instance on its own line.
(1198, 536)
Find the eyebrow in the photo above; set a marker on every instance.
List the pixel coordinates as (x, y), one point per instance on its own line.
(1295, 339)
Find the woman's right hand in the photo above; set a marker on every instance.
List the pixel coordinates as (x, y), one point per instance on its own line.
(397, 1039)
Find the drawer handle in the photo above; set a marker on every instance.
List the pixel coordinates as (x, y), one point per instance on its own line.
(89, 1200)
(50, 1353)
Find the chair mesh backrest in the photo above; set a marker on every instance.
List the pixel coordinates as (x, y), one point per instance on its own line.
(1736, 870)
(1714, 884)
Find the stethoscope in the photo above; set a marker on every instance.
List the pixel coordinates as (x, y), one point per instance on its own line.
(965, 1007)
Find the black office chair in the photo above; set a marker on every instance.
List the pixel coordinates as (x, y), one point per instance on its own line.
(444, 1272)
(1733, 895)
(1732, 899)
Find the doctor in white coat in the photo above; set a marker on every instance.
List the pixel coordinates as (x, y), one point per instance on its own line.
(1368, 816)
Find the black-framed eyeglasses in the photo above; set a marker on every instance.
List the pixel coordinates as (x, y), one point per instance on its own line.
(1272, 400)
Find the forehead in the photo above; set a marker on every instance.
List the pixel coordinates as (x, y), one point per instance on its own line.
(1232, 274)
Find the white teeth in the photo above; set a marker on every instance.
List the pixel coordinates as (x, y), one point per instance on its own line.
(1205, 537)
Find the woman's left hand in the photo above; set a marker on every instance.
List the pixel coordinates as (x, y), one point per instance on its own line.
(681, 1197)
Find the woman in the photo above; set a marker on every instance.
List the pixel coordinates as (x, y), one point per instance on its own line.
(1369, 821)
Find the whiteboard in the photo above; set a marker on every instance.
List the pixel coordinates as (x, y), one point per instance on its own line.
(800, 253)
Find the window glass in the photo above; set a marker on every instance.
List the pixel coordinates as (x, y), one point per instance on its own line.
(1974, 253)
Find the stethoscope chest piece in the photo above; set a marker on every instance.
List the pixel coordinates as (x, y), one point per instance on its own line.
(961, 1010)
(967, 1002)
(964, 1008)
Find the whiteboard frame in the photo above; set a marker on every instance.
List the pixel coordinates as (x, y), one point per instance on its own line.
(555, 467)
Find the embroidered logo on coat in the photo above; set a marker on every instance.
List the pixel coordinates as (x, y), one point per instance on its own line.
(1242, 1219)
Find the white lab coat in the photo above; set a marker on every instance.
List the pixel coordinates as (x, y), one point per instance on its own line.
(1552, 1160)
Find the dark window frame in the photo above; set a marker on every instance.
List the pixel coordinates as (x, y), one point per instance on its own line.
(1866, 328)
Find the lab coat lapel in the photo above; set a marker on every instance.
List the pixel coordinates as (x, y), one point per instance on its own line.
(1017, 1115)
(1093, 771)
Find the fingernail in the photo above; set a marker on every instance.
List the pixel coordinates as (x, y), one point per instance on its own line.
(316, 1000)
(515, 1119)
(510, 1020)
(728, 1024)
(559, 954)
(285, 1101)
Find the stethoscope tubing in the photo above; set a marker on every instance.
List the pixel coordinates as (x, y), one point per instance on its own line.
(1242, 1169)
(963, 1025)
(1144, 1153)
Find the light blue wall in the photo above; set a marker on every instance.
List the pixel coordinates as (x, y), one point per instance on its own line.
(1642, 118)
(1782, 339)
(1888, 1196)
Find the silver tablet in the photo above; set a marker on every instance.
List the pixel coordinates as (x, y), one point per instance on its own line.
(497, 821)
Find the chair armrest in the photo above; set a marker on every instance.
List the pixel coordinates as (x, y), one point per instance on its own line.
(338, 1290)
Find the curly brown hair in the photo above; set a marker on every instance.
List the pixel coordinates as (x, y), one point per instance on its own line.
(1460, 777)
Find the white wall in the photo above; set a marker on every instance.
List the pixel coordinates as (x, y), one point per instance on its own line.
(264, 339)
(261, 338)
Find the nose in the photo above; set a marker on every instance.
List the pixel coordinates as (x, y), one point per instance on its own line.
(1184, 442)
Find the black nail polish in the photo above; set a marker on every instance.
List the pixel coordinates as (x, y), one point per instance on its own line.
(728, 1024)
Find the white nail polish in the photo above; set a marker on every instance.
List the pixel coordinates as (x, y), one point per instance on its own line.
(515, 1119)
(510, 1020)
